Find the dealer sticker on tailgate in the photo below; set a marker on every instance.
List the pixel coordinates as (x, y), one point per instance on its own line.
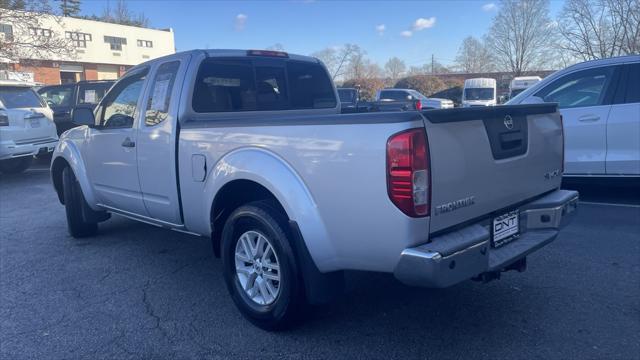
(505, 228)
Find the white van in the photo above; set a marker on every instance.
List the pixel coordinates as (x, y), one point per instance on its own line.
(521, 83)
(479, 92)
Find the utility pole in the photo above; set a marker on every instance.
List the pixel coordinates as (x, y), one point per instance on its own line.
(431, 63)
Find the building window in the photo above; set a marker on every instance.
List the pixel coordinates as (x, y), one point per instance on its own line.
(145, 43)
(79, 39)
(7, 30)
(40, 32)
(115, 42)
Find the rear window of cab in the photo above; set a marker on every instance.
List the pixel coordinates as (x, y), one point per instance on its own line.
(234, 85)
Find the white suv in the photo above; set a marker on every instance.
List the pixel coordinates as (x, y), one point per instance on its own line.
(600, 104)
(26, 126)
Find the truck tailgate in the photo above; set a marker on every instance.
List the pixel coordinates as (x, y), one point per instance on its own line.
(488, 160)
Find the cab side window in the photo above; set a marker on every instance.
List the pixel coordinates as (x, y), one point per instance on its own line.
(579, 89)
(394, 95)
(157, 109)
(120, 105)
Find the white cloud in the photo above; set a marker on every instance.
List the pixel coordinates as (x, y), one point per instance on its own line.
(407, 33)
(423, 23)
(241, 21)
(489, 7)
(380, 29)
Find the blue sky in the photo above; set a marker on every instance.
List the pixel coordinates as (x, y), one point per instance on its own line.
(305, 26)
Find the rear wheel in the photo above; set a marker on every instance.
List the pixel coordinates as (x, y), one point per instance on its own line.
(74, 202)
(15, 165)
(259, 266)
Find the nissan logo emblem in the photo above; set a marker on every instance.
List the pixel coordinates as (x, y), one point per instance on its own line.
(508, 122)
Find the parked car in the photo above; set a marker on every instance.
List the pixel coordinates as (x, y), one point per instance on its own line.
(350, 101)
(521, 83)
(479, 92)
(453, 93)
(600, 105)
(410, 95)
(291, 192)
(63, 98)
(348, 97)
(26, 126)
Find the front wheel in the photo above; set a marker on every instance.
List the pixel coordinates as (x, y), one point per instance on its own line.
(15, 165)
(74, 203)
(259, 266)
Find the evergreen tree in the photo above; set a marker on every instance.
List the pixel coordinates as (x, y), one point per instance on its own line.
(69, 7)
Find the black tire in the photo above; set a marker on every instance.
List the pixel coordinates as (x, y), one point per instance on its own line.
(263, 217)
(74, 202)
(15, 165)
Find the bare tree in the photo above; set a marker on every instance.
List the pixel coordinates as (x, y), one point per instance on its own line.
(433, 67)
(337, 60)
(474, 57)
(121, 14)
(521, 34)
(395, 68)
(28, 36)
(595, 29)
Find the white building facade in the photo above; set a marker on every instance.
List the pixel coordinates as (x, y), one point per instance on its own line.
(103, 51)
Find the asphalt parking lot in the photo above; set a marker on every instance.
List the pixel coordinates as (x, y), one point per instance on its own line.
(136, 291)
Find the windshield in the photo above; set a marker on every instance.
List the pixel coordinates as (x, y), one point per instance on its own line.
(478, 94)
(347, 95)
(417, 95)
(57, 96)
(14, 97)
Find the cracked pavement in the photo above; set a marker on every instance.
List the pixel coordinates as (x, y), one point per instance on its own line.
(137, 291)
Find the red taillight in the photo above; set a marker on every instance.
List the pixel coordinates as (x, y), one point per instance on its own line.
(562, 133)
(408, 177)
(418, 105)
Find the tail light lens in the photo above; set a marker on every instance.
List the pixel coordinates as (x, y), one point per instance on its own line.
(418, 105)
(4, 119)
(408, 175)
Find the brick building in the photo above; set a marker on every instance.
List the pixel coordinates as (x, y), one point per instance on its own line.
(103, 51)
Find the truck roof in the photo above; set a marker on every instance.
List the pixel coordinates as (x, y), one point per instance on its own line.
(480, 83)
(230, 53)
(523, 82)
(525, 78)
(17, 83)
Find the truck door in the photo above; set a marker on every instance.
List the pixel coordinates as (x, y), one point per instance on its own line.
(623, 126)
(112, 152)
(157, 140)
(584, 105)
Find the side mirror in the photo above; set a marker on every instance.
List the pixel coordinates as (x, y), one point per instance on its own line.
(83, 115)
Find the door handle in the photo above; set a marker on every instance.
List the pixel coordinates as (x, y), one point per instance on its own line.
(588, 118)
(128, 143)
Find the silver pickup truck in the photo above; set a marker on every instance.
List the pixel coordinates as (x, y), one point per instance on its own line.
(249, 149)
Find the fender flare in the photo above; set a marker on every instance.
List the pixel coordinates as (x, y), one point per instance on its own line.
(276, 175)
(68, 151)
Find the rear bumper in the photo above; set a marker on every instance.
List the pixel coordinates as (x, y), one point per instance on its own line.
(11, 149)
(464, 253)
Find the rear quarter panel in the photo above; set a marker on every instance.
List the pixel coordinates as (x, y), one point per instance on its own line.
(328, 172)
